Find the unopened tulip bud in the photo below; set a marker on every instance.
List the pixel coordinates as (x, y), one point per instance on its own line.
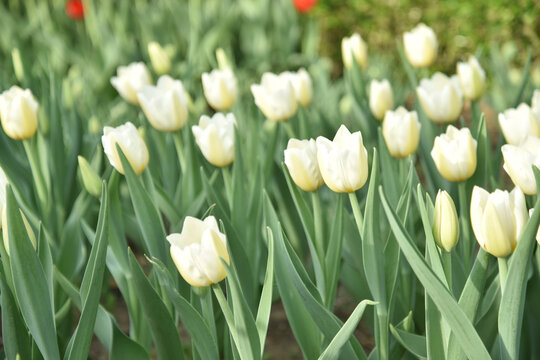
(5, 234)
(220, 88)
(197, 251)
(343, 162)
(301, 160)
(91, 180)
(440, 97)
(381, 98)
(130, 80)
(498, 219)
(131, 143)
(18, 112)
(301, 83)
(472, 78)
(275, 97)
(159, 58)
(454, 154)
(18, 67)
(215, 137)
(445, 221)
(420, 46)
(518, 124)
(223, 62)
(401, 132)
(518, 162)
(355, 48)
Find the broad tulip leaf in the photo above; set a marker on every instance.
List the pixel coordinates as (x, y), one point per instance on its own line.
(414, 343)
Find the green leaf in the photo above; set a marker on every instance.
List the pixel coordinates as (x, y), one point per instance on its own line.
(30, 283)
(161, 323)
(333, 255)
(524, 79)
(347, 330)
(265, 303)
(414, 343)
(459, 323)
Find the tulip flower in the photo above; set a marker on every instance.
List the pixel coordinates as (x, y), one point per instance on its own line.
(301, 160)
(220, 88)
(165, 105)
(197, 251)
(354, 47)
(18, 112)
(381, 98)
(420, 46)
(301, 83)
(518, 162)
(498, 219)
(215, 137)
(445, 226)
(130, 80)
(454, 154)
(3, 183)
(517, 124)
(440, 97)
(343, 162)
(472, 78)
(303, 6)
(75, 9)
(159, 58)
(131, 143)
(275, 96)
(401, 132)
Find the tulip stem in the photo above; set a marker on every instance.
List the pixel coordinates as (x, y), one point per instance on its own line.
(177, 137)
(447, 265)
(464, 219)
(39, 180)
(319, 236)
(208, 311)
(503, 271)
(228, 184)
(227, 313)
(356, 212)
(289, 130)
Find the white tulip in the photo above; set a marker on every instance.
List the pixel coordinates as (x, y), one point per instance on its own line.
(472, 78)
(130, 80)
(18, 112)
(275, 96)
(343, 162)
(354, 47)
(518, 124)
(159, 58)
(381, 98)
(131, 143)
(440, 97)
(165, 105)
(518, 162)
(401, 132)
(220, 88)
(301, 160)
(197, 251)
(420, 46)
(215, 137)
(454, 154)
(301, 83)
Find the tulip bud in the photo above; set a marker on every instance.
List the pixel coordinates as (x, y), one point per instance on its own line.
(301, 83)
(131, 143)
(221, 57)
(18, 67)
(401, 132)
(197, 251)
(420, 46)
(354, 47)
(215, 137)
(18, 112)
(381, 98)
(3, 183)
(5, 234)
(91, 180)
(275, 97)
(130, 80)
(440, 97)
(518, 162)
(220, 89)
(498, 219)
(301, 160)
(517, 124)
(343, 162)
(159, 58)
(445, 221)
(165, 105)
(472, 78)
(454, 154)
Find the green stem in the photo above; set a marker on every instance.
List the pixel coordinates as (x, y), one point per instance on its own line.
(227, 313)
(503, 271)
(303, 123)
(208, 310)
(177, 137)
(39, 180)
(319, 235)
(227, 180)
(447, 266)
(356, 212)
(465, 225)
(289, 129)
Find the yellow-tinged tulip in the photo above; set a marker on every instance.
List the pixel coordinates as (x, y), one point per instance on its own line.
(343, 162)
(5, 234)
(445, 221)
(131, 143)
(159, 58)
(220, 88)
(518, 162)
(275, 96)
(454, 154)
(215, 137)
(401, 132)
(518, 124)
(472, 78)
(420, 46)
(18, 112)
(301, 83)
(381, 98)
(197, 251)
(440, 97)
(165, 105)
(498, 219)
(130, 80)
(3, 183)
(354, 47)
(301, 160)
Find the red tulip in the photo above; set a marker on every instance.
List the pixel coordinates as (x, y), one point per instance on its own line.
(75, 9)
(304, 6)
